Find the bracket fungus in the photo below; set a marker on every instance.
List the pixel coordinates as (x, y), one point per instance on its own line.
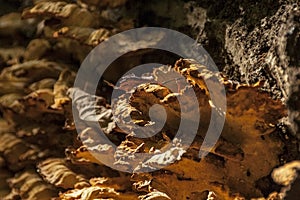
(43, 155)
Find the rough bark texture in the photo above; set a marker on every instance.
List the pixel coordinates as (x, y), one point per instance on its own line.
(254, 45)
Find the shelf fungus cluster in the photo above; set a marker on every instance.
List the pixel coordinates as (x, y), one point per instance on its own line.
(41, 150)
(44, 156)
(237, 166)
